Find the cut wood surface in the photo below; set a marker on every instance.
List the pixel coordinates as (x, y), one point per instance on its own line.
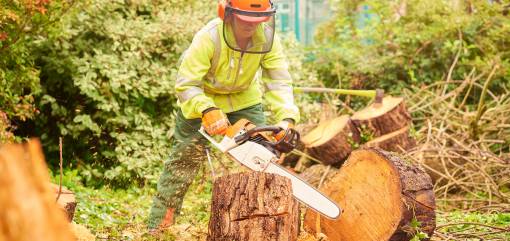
(397, 141)
(380, 119)
(380, 194)
(331, 141)
(28, 208)
(253, 206)
(66, 201)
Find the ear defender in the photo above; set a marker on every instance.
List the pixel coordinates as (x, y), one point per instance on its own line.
(222, 4)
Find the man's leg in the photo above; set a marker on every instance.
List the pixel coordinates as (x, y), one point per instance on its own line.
(179, 171)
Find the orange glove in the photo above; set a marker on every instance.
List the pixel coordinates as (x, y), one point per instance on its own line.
(284, 124)
(214, 121)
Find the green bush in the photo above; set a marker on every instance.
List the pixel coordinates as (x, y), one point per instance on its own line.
(107, 73)
(391, 45)
(20, 23)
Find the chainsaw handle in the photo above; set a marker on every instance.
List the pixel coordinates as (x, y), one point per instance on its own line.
(286, 144)
(274, 129)
(245, 136)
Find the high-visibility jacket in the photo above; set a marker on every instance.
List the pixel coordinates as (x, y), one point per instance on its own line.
(213, 75)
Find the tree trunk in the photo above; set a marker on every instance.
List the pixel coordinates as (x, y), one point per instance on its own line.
(382, 196)
(397, 141)
(253, 206)
(331, 142)
(28, 207)
(66, 201)
(379, 119)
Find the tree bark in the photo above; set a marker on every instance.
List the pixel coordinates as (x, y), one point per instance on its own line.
(397, 141)
(382, 195)
(379, 119)
(253, 206)
(331, 142)
(28, 207)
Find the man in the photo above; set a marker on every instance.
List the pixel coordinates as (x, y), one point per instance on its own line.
(218, 84)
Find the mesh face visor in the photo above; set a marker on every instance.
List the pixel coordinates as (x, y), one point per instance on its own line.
(256, 27)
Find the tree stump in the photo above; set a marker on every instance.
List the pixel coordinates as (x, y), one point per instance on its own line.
(28, 207)
(397, 141)
(379, 119)
(66, 201)
(253, 206)
(331, 142)
(382, 196)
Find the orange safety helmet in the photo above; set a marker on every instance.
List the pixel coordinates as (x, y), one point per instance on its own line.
(254, 11)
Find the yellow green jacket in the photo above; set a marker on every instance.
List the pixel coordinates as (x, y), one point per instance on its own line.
(213, 75)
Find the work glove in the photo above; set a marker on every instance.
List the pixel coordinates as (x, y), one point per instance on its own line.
(285, 124)
(214, 121)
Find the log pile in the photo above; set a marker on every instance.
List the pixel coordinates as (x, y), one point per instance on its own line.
(385, 125)
(383, 118)
(382, 196)
(253, 206)
(29, 210)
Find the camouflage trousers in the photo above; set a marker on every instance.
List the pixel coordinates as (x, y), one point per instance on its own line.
(186, 157)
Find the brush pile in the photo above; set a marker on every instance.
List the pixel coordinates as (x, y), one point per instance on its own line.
(466, 151)
(465, 155)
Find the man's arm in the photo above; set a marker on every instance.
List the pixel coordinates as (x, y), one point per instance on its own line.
(278, 84)
(195, 64)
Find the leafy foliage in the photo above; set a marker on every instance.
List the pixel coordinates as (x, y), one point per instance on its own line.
(20, 23)
(107, 76)
(395, 44)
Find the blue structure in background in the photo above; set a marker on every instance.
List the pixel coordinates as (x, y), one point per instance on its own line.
(301, 17)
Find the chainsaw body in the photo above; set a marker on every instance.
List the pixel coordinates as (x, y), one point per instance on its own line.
(259, 148)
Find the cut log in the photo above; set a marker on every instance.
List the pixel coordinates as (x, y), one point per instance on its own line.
(331, 142)
(29, 210)
(253, 206)
(66, 201)
(397, 141)
(382, 196)
(379, 119)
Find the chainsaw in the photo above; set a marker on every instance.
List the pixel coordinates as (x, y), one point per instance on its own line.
(259, 148)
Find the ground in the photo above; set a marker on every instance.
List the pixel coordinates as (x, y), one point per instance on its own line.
(121, 214)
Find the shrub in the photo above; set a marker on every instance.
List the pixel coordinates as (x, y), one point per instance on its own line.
(107, 74)
(20, 23)
(391, 45)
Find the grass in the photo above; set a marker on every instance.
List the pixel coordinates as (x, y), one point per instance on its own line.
(118, 214)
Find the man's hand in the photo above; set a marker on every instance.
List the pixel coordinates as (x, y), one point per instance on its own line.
(284, 124)
(214, 121)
